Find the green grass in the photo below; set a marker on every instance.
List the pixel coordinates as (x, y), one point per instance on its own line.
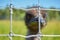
(53, 27)
(18, 28)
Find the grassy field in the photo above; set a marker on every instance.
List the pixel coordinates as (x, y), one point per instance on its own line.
(53, 27)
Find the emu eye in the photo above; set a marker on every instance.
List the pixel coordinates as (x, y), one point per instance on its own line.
(28, 16)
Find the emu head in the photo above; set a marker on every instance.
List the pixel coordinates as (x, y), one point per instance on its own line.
(31, 19)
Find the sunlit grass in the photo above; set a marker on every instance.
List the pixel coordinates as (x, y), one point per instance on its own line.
(53, 27)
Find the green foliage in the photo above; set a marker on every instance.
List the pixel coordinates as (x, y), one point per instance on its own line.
(53, 15)
(18, 14)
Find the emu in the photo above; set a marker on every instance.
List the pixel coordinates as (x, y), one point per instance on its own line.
(31, 21)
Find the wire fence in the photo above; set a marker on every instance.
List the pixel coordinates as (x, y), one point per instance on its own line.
(11, 34)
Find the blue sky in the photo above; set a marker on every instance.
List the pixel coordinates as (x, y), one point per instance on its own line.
(25, 3)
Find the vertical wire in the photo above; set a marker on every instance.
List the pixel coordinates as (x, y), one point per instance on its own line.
(11, 12)
(39, 16)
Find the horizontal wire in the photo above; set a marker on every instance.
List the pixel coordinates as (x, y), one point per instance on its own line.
(52, 9)
(30, 35)
(25, 36)
(50, 35)
(41, 9)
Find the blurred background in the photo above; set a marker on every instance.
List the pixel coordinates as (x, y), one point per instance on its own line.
(19, 27)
